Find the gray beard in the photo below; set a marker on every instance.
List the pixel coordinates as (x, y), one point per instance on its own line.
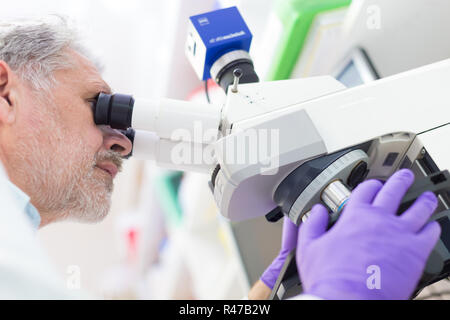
(61, 185)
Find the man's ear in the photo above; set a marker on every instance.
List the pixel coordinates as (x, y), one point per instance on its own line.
(7, 83)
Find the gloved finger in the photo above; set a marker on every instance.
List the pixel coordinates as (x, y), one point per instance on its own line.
(270, 275)
(315, 226)
(393, 191)
(365, 192)
(290, 235)
(429, 236)
(420, 211)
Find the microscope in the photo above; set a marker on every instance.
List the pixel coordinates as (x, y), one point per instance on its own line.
(275, 149)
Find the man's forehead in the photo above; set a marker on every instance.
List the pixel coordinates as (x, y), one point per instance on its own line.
(90, 75)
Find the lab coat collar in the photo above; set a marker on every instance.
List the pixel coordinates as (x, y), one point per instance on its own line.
(25, 205)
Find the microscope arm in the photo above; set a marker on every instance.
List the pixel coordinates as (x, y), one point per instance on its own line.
(176, 134)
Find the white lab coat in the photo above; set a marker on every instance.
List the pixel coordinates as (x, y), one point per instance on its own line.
(25, 270)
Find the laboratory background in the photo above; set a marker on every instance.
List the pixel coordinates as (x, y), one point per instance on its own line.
(164, 237)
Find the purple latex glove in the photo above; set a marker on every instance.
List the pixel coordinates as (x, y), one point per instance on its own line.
(369, 246)
(288, 243)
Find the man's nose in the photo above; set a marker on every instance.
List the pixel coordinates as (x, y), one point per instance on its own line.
(114, 140)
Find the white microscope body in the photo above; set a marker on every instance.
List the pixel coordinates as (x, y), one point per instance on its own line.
(397, 121)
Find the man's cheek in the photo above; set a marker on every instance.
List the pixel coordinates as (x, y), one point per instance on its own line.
(92, 140)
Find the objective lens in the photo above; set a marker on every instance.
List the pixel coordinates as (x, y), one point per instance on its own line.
(335, 196)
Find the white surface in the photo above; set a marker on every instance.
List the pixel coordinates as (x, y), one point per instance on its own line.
(146, 145)
(268, 48)
(169, 118)
(413, 101)
(398, 35)
(195, 50)
(436, 141)
(265, 97)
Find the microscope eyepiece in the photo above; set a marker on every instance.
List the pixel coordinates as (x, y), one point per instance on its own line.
(114, 110)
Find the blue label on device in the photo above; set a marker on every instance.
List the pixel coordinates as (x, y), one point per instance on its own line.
(221, 31)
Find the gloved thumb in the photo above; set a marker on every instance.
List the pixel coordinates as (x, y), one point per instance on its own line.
(314, 226)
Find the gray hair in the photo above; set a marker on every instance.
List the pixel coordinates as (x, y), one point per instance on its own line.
(35, 48)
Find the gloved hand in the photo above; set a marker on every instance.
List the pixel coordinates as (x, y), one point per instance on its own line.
(369, 240)
(288, 243)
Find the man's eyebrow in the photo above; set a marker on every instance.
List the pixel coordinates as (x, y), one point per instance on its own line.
(105, 88)
(100, 86)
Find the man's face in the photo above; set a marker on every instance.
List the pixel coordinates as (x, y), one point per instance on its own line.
(62, 160)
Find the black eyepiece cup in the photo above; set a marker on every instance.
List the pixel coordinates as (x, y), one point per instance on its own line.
(114, 110)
